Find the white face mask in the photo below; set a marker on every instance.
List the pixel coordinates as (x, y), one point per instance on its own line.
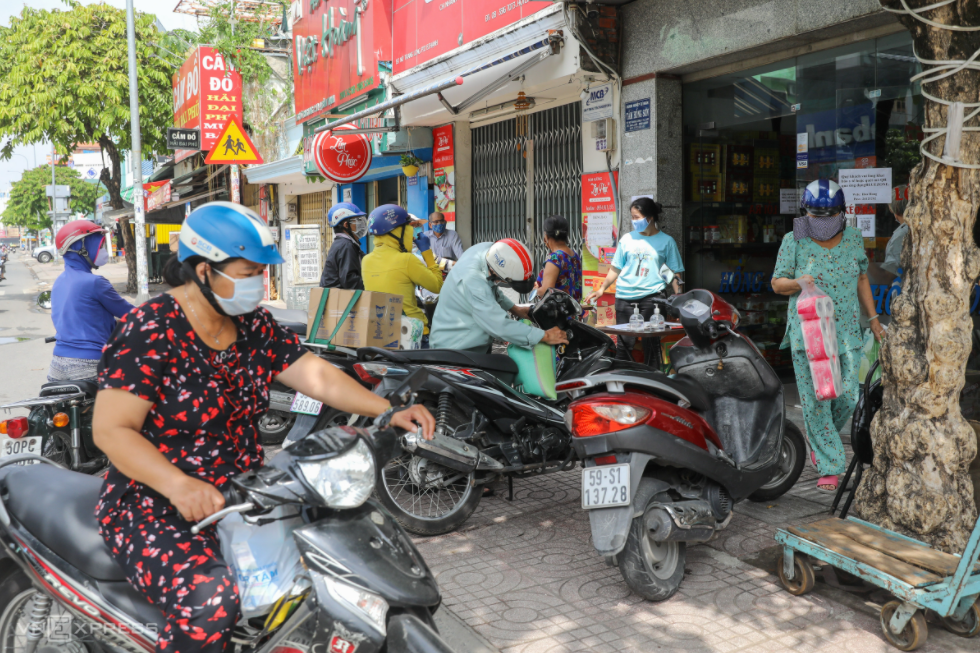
(102, 257)
(359, 227)
(249, 292)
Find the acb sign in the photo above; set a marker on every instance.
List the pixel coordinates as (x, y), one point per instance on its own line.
(207, 94)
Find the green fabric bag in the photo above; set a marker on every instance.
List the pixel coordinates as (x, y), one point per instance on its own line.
(536, 369)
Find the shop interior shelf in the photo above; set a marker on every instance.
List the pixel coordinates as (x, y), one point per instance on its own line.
(745, 247)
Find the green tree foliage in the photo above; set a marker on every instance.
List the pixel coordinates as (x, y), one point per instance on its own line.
(28, 203)
(64, 79)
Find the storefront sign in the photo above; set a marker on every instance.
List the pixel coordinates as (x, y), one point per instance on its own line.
(426, 29)
(337, 46)
(837, 135)
(738, 281)
(444, 172)
(378, 140)
(207, 94)
(599, 228)
(344, 158)
(598, 104)
(183, 139)
(638, 115)
(866, 185)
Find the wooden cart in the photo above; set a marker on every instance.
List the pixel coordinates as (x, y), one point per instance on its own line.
(922, 578)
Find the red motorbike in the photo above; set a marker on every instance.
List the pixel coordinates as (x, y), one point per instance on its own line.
(667, 457)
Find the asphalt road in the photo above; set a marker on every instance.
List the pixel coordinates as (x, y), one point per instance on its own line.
(24, 356)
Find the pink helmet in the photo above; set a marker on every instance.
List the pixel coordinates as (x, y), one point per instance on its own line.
(511, 261)
(73, 232)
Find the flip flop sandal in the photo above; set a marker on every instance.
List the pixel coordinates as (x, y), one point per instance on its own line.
(827, 483)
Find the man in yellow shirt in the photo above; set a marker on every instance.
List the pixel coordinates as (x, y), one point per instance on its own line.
(393, 268)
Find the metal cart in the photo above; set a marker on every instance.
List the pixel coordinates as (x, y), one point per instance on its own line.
(922, 578)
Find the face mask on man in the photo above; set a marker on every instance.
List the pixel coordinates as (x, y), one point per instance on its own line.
(439, 227)
(248, 293)
(103, 256)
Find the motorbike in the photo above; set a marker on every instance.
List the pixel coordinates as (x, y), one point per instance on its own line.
(364, 585)
(3, 264)
(486, 427)
(666, 458)
(58, 426)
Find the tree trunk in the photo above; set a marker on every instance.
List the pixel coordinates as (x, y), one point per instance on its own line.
(918, 484)
(113, 187)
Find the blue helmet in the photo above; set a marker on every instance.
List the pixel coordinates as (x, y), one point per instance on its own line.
(343, 211)
(823, 198)
(222, 230)
(387, 217)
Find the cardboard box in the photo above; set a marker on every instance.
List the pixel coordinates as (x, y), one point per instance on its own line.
(738, 187)
(765, 190)
(767, 161)
(709, 188)
(738, 158)
(606, 315)
(374, 321)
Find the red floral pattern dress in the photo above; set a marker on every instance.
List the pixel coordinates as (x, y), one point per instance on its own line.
(205, 407)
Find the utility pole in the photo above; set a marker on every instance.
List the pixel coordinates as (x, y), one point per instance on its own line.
(142, 289)
(54, 202)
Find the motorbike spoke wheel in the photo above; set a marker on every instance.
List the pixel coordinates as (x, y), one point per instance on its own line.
(426, 497)
(58, 634)
(792, 456)
(57, 449)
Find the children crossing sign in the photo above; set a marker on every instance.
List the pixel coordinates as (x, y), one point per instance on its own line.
(233, 146)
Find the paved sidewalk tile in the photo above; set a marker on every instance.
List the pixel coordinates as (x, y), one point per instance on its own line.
(524, 575)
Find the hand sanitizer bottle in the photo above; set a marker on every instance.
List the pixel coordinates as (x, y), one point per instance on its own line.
(636, 320)
(657, 320)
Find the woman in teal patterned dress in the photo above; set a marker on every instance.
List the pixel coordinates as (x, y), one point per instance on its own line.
(822, 250)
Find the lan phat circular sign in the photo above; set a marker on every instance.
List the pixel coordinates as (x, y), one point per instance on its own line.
(342, 157)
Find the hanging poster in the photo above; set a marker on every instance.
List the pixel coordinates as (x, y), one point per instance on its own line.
(599, 229)
(444, 172)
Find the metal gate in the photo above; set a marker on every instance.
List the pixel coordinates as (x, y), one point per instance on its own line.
(518, 181)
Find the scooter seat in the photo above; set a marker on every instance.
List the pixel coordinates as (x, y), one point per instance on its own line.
(488, 362)
(57, 507)
(292, 319)
(91, 388)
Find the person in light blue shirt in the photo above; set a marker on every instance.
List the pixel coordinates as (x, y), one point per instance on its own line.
(636, 271)
(472, 311)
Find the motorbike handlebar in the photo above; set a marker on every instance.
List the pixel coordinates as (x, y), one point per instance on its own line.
(51, 339)
(221, 514)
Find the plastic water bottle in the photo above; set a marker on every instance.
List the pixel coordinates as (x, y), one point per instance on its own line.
(636, 320)
(657, 320)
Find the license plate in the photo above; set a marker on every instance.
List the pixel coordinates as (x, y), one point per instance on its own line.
(12, 447)
(605, 486)
(306, 405)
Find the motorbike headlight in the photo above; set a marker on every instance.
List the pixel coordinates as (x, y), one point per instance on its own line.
(370, 605)
(345, 481)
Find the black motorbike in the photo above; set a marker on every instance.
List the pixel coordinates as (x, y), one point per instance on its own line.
(666, 458)
(58, 426)
(364, 587)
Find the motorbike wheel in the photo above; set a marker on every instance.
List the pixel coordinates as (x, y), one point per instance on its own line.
(274, 426)
(792, 457)
(425, 497)
(16, 602)
(57, 449)
(654, 570)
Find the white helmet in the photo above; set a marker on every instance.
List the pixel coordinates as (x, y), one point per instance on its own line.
(510, 260)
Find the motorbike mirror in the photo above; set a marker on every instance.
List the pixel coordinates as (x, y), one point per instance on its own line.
(44, 299)
(402, 396)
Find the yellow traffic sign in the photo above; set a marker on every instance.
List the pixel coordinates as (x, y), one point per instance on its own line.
(233, 146)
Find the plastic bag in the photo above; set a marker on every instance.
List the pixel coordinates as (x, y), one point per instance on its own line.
(869, 354)
(264, 558)
(816, 311)
(536, 369)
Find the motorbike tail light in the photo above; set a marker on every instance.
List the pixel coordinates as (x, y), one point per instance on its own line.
(570, 385)
(60, 420)
(373, 373)
(18, 427)
(605, 460)
(601, 416)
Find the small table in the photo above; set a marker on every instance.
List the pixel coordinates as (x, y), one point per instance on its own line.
(652, 342)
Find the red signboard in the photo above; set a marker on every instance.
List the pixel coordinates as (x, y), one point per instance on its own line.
(207, 94)
(425, 29)
(337, 45)
(344, 158)
(158, 197)
(444, 172)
